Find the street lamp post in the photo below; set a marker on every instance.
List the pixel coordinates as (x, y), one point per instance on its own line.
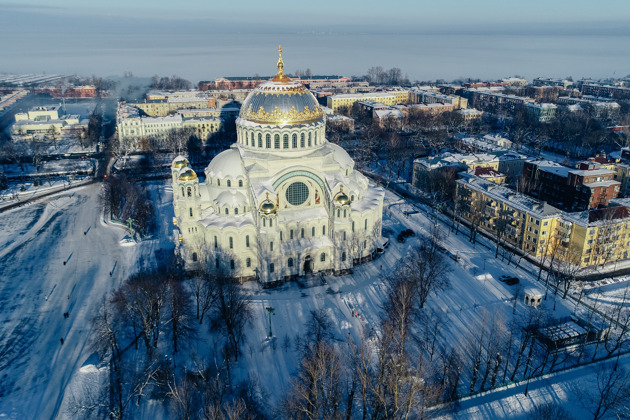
(270, 310)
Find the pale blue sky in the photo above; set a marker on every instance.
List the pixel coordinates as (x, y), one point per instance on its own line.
(389, 13)
(202, 39)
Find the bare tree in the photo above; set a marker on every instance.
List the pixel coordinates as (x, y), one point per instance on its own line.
(231, 314)
(550, 411)
(431, 323)
(426, 269)
(316, 392)
(610, 394)
(181, 314)
(204, 289)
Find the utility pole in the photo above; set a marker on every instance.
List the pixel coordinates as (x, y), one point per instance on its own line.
(270, 310)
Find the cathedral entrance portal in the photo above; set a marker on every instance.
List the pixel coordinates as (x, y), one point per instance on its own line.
(308, 265)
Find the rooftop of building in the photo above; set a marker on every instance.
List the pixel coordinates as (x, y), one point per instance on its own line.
(486, 172)
(516, 200)
(362, 95)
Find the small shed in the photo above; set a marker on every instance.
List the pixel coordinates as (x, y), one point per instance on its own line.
(532, 297)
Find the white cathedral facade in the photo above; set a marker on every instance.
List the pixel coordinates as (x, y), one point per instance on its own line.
(282, 202)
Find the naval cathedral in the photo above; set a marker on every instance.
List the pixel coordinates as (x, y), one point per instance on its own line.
(282, 202)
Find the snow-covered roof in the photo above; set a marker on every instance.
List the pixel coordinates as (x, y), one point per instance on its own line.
(313, 243)
(226, 164)
(516, 200)
(231, 198)
(299, 215)
(371, 198)
(211, 218)
(341, 156)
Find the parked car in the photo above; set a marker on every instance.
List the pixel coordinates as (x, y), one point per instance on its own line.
(400, 238)
(409, 232)
(455, 257)
(512, 281)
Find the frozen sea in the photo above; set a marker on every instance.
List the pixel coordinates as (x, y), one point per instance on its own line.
(206, 56)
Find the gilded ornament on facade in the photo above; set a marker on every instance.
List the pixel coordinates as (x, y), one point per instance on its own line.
(279, 117)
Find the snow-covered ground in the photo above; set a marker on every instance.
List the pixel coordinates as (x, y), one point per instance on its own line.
(39, 376)
(571, 389)
(36, 288)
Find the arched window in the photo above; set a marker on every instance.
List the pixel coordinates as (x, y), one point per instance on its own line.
(190, 211)
(189, 192)
(270, 222)
(271, 246)
(216, 242)
(291, 234)
(313, 231)
(302, 140)
(260, 140)
(194, 256)
(364, 244)
(322, 257)
(353, 226)
(344, 213)
(271, 267)
(344, 235)
(365, 225)
(316, 137)
(302, 233)
(232, 264)
(352, 198)
(218, 182)
(285, 141)
(276, 141)
(252, 139)
(247, 241)
(235, 210)
(264, 222)
(343, 256)
(290, 262)
(338, 213)
(324, 230)
(280, 236)
(231, 242)
(248, 262)
(227, 211)
(268, 141)
(309, 140)
(229, 183)
(294, 145)
(182, 191)
(240, 183)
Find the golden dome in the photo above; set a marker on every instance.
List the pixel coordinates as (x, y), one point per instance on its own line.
(268, 206)
(342, 198)
(187, 175)
(281, 101)
(180, 162)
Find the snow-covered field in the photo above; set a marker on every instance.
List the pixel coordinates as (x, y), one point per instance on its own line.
(36, 288)
(39, 376)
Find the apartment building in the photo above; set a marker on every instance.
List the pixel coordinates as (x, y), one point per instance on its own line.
(584, 239)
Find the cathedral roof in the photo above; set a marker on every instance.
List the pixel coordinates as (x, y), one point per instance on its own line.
(226, 164)
(231, 198)
(341, 156)
(281, 101)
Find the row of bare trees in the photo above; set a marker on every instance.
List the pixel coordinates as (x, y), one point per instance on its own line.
(158, 312)
(125, 200)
